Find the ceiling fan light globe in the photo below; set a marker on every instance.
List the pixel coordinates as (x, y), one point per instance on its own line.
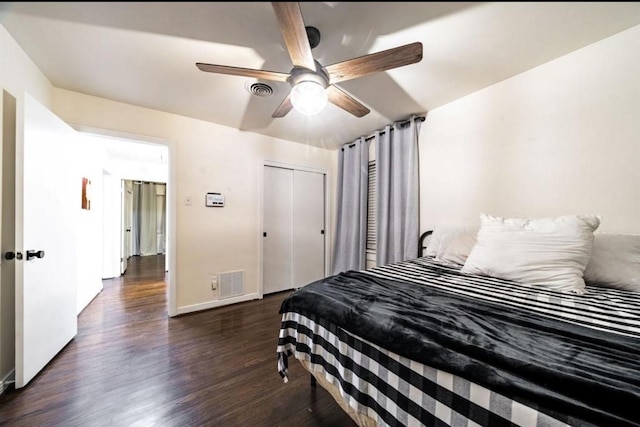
(308, 97)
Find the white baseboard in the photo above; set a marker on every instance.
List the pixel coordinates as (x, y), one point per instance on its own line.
(217, 303)
(7, 380)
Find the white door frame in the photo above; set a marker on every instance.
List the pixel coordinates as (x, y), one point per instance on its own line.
(171, 202)
(327, 221)
(9, 125)
(124, 256)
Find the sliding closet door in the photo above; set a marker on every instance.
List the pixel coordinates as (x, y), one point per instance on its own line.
(277, 249)
(293, 236)
(308, 227)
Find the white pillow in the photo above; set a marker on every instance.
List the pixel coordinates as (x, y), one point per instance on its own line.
(444, 233)
(455, 247)
(549, 252)
(615, 261)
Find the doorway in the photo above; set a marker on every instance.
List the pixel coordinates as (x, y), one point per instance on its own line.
(144, 220)
(60, 273)
(129, 164)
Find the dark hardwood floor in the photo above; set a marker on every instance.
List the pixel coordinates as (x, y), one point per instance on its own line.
(131, 365)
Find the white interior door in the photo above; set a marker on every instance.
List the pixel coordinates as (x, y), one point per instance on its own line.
(308, 227)
(48, 201)
(126, 224)
(123, 227)
(277, 247)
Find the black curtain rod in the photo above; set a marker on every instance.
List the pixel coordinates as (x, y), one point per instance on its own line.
(401, 124)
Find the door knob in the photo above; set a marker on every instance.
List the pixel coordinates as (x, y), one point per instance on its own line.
(34, 254)
(12, 255)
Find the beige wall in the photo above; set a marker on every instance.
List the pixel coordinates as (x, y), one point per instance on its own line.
(18, 73)
(209, 158)
(559, 139)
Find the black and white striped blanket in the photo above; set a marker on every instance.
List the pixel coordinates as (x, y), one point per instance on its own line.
(418, 343)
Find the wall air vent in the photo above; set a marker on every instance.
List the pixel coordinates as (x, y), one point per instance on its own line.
(231, 284)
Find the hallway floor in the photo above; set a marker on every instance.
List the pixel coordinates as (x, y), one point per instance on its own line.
(131, 365)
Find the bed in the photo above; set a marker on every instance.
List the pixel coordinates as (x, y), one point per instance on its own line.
(422, 343)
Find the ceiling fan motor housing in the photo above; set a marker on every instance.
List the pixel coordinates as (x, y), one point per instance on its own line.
(301, 74)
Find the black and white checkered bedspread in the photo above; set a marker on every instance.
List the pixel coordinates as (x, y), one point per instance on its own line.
(397, 382)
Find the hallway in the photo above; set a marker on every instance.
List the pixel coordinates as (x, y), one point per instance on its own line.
(130, 365)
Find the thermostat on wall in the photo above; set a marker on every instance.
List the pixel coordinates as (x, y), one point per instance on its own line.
(215, 200)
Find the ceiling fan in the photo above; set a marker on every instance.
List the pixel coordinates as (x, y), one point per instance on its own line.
(312, 84)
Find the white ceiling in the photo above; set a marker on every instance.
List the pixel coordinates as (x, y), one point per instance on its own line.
(145, 53)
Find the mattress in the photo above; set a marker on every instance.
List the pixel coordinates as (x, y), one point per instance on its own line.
(419, 343)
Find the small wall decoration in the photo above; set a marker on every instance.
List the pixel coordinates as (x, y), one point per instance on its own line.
(86, 193)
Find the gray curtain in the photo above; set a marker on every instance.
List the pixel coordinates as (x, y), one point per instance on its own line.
(148, 219)
(149, 215)
(351, 219)
(397, 190)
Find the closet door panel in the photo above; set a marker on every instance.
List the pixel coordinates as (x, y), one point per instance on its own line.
(277, 246)
(308, 227)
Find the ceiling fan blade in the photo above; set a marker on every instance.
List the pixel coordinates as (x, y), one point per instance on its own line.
(284, 107)
(294, 34)
(345, 101)
(245, 72)
(375, 62)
